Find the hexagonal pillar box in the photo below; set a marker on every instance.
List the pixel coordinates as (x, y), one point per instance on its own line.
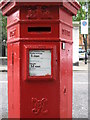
(39, 39)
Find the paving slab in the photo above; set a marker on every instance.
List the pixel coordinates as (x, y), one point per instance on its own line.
(82, 66)
(3, 68)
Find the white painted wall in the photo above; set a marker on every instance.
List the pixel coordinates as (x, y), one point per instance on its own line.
(75, 42)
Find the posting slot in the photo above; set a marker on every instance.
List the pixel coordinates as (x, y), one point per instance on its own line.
(39, 29)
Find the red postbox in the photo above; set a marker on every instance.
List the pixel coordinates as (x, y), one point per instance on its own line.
(39, 58)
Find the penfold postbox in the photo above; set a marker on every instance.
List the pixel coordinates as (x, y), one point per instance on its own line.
(39, 58)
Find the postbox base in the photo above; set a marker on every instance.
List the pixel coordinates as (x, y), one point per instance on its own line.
(36, 96)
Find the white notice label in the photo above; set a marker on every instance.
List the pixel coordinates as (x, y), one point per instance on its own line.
(39, 62)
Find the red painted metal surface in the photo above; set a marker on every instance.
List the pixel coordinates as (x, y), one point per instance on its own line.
(39, 26)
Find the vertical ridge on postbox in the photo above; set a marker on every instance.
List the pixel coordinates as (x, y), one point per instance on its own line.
(39, 58)
(65, 63)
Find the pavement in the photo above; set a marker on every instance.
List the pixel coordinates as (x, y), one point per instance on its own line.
(3, 68)
(82, 66)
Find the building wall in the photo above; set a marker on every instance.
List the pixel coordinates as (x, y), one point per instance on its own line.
(75, 43)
